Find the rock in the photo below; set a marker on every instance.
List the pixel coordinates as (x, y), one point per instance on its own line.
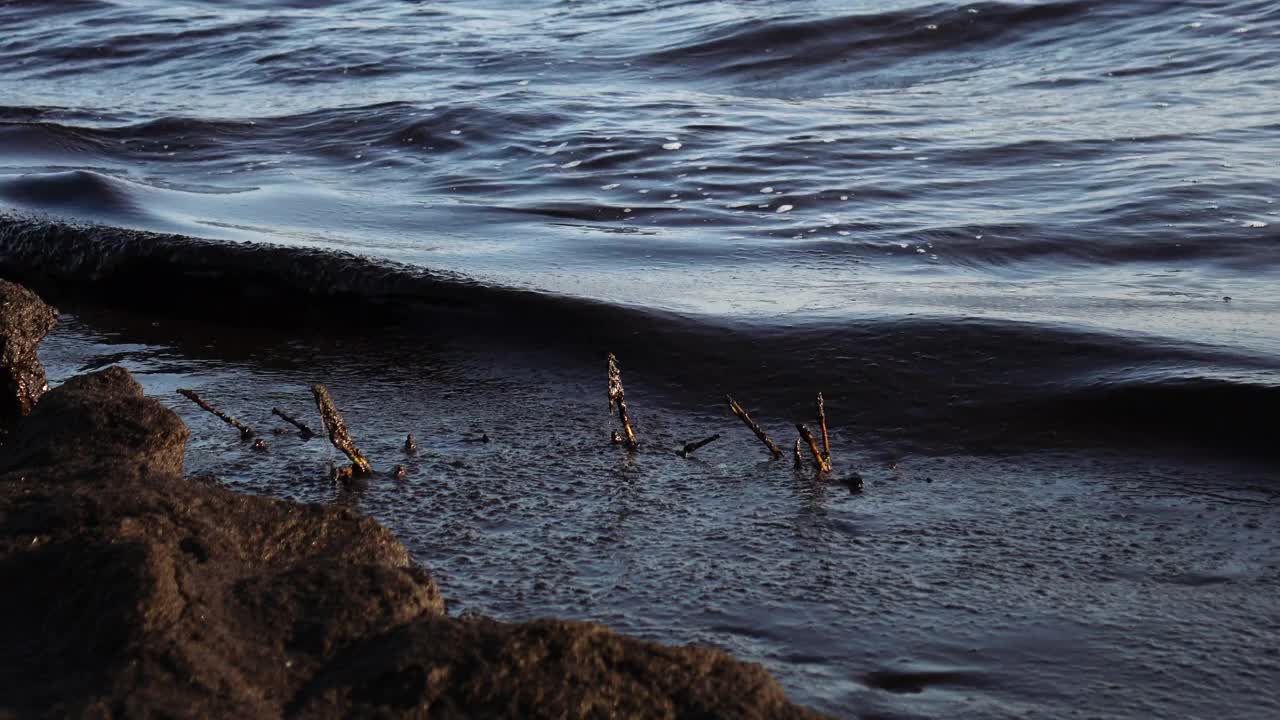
(97, 418)
(461, 668)
(24, 321)
(129, 591)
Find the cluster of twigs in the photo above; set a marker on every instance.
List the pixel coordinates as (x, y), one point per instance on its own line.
(821, 456)
(334, 425)
(340, 436)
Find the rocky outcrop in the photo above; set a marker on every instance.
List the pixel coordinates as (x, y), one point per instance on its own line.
(129, 591)
(24, 321)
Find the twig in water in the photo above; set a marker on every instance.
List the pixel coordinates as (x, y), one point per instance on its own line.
(822, 463)
(245, 432)
(618, 398)
(303, 429)
(822, 422)
(795, 455)
(746, 419)
(337, 429)
(689, 448)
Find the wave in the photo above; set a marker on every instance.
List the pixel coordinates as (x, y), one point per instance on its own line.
(919, 383)
(792, 46)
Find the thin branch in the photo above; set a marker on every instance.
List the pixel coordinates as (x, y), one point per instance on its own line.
(746, 419)
(689, 448)
(822, 422)
(303, 428)
(618, 399)
(337, 428)
(821, 462)
(245, 432)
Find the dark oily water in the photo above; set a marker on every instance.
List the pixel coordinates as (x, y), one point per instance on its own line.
(1041, 232)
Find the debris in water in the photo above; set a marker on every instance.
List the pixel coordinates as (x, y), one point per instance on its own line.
(822, 422)
(690, 448)
(260, 445)
(618, 398)
(303, 429)
(245, 432)
(410, 445)
(746, 419)
(399, 472)
(338, 434)
(822, 463)
(795, 455)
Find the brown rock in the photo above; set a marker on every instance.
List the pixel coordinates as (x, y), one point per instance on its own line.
(97, 418)
(24, 321)
(462, 668)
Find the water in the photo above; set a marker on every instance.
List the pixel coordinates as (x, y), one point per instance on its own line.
(984, 230)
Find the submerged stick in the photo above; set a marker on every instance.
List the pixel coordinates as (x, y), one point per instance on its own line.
(689, 448)
(303, 428)
(245, 432)
(822, 421)
(795, 455)
(337, 428)
(746, 419)
(618, 398)
(822, 463)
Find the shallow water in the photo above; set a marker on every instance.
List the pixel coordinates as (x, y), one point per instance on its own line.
(1037, 583)
(1028, 250)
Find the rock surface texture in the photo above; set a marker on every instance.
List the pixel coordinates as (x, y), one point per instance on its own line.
(129, 591)
(24, 321)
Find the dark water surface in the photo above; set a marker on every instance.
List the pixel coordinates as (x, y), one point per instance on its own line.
(1029, 251)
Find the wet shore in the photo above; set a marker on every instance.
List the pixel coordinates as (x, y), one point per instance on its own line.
(134, 591)
(985, 583)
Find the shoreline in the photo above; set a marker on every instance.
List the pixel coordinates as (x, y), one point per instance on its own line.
(850, 601)
(926, 383)
(166, 594)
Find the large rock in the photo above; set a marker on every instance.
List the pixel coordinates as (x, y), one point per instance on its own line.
(444, 668)
(97, 418)
(128, 591)
(24, 321)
